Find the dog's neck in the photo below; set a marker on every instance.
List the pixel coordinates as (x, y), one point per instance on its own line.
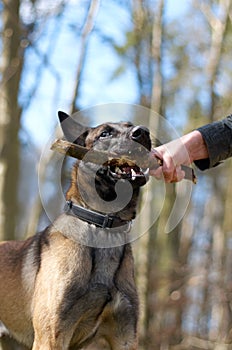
(77, 196)
(93, 217)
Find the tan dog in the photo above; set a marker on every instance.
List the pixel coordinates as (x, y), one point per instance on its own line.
(64, 287)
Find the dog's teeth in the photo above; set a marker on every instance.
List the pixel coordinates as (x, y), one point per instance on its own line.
(118, 170)
(133, 173)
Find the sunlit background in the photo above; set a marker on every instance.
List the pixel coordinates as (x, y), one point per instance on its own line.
(173, 57)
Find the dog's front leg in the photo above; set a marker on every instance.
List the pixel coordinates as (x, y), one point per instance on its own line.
(119, 344)
(64, 268)
(124, 335)
(48, 342)
(50, 335)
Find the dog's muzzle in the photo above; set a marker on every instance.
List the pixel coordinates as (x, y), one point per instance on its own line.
(125, 169)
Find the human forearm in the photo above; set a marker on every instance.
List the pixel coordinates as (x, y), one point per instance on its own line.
(195, 146)
(206, 147)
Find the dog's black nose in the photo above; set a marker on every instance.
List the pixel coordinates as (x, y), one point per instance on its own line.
(141, 135)
(139, 132)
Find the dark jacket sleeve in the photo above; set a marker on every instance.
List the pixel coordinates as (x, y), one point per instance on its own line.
(218, 139)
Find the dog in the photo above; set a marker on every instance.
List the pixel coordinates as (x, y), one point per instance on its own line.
(64, 288)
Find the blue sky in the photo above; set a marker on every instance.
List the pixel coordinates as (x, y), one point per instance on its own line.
(55, 88)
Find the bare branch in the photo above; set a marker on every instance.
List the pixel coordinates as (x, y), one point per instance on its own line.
(218, 24)
(45, 62)
(88, 26)
(206, 9)
(215, 22)
(217, 39)
(157, 38)
(83, 153)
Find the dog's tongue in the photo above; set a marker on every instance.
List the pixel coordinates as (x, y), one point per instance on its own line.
(126, 169)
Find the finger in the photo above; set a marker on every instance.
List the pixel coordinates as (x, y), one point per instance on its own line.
(168, 168)
(157, 173)
(179, 175)
(155, 157)
(157, 152)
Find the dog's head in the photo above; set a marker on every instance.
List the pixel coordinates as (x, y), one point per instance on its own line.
(119, 138)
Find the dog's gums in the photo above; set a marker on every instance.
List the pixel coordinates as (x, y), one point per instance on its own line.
(127, 170)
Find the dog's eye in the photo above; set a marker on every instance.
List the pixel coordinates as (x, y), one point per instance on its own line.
(106, 133)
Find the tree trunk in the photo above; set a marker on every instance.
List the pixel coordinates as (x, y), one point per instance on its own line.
(12, 60)
(219, 308)
(215, 304)
(10, 119)
(157, 264)
(87, 28)
(218, 27)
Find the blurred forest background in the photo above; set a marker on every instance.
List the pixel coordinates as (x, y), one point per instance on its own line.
(171, 56)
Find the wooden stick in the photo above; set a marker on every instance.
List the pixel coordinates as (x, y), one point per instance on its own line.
(79, 152)
(100, 157)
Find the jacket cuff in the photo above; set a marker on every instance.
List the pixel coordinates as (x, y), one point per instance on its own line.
(217, 137)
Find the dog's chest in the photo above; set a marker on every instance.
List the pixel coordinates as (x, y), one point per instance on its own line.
(106, 263)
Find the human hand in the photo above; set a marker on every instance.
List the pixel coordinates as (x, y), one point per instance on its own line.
(172, 155)
(182, 151)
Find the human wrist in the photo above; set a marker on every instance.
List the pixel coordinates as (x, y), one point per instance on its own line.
(195, 145)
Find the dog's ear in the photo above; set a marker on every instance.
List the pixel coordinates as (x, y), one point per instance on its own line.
(73, 131)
